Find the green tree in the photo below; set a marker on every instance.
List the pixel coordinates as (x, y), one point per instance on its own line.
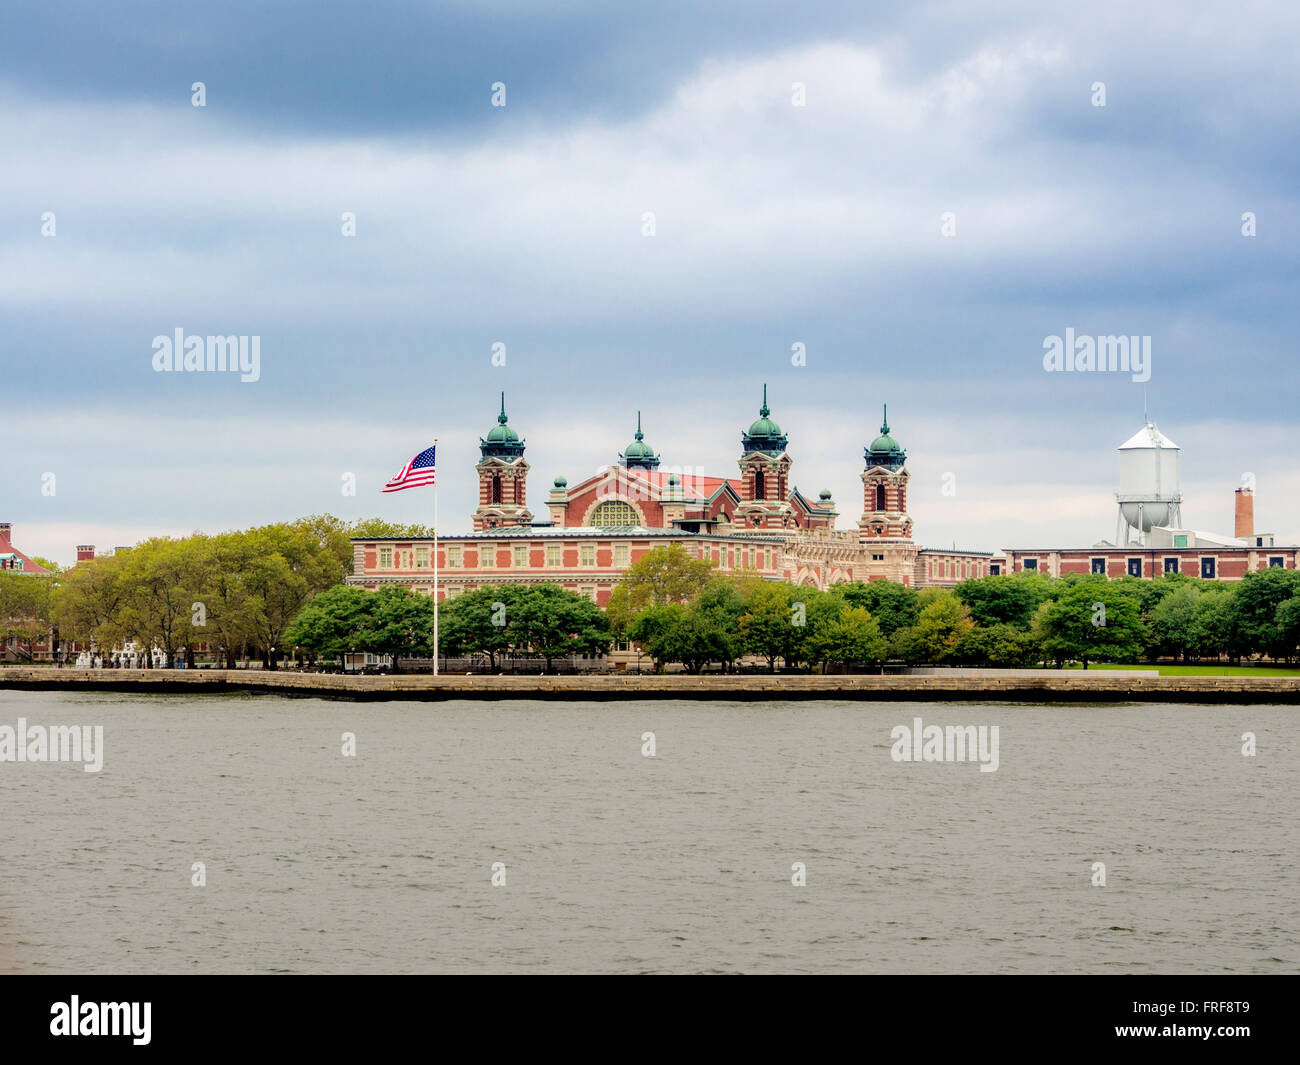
(1010, 599)
(332, 623)
(160, 588)
(555, 622)
(379, 529)
(1288, 626)
(720, 605)
(87, 603)
(665, 574)
(479, 622)
(894, 606)
(943, 633)
(1215, 629)
(852, 636)
(1173, 621)
(1091, 621)
(658, 630)
(398, 622)
(767, 628)
(1005, 646)
(1256, 600)
(25, 609)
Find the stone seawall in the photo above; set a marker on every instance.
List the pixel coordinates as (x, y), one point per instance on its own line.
(1003, 687)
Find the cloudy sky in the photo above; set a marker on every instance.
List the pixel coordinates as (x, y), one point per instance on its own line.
(774, 225)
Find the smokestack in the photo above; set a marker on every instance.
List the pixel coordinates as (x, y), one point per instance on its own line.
(1245, 514)
(85, 552)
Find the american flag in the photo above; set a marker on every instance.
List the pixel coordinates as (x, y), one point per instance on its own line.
(419, 471)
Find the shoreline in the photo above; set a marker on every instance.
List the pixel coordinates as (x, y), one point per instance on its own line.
(1003, 687)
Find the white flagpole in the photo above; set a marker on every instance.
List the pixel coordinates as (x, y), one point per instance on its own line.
(435, 556)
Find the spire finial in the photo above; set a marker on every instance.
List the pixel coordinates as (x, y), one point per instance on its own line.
(638, 426)
(501, 418)
(763, 411)
(884, 420)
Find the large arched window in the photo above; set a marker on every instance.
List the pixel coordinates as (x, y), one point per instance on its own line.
(880, 497)
(759, 486)
(496, 488)
(613, 512)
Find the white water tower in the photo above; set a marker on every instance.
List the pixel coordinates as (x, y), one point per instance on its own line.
(1149, 492)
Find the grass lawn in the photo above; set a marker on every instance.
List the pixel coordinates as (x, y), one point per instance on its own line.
(1166, 670)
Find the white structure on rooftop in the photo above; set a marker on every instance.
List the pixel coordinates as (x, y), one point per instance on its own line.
(1149, 493)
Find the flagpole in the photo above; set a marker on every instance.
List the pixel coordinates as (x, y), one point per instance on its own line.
(435, 557)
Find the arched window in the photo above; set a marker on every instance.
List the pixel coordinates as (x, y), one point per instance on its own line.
(759, 486)
(613, 512)
(496, 488)
(880, 497)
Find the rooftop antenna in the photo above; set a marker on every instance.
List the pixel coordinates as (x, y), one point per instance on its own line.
(1145, 416)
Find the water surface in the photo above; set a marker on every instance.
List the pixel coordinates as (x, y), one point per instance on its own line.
(615, 862)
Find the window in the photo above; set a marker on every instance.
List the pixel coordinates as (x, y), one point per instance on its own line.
(422, 557)
(588, 591)
(613, 512)
(880, 497)
(486, 555)
(1276, 562)
(1031, 563)
(1180, 539)
(877, 558)
(759, 486)
(453, 556)
(620, 554)
(1099, 566)
(521, 556)
(587, 554)
(995, 569)
(1135, 567)
(385, 558)
(553, 555)
(496, 488)
(1171, 565)
(1207, 568)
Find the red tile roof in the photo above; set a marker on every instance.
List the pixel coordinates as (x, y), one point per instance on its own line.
(29, 566)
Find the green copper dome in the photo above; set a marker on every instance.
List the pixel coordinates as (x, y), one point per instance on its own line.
(885, 450)
(501, 441)
(639, 454)
(764, 435)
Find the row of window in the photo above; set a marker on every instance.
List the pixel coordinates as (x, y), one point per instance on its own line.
(1172, 564)
(487, 556)
(763, 558)
(951, 568)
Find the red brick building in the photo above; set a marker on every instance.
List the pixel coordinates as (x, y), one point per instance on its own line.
(757, 522)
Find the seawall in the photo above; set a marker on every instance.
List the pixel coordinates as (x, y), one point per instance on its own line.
(1073, 686)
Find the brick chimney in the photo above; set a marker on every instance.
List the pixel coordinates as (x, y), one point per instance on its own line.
(4, 531)
(1245, 514)
(85, 552)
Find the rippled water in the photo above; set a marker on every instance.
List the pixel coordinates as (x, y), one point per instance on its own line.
(616, 862)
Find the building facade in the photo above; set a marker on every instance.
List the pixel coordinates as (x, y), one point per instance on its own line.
(757, 522)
